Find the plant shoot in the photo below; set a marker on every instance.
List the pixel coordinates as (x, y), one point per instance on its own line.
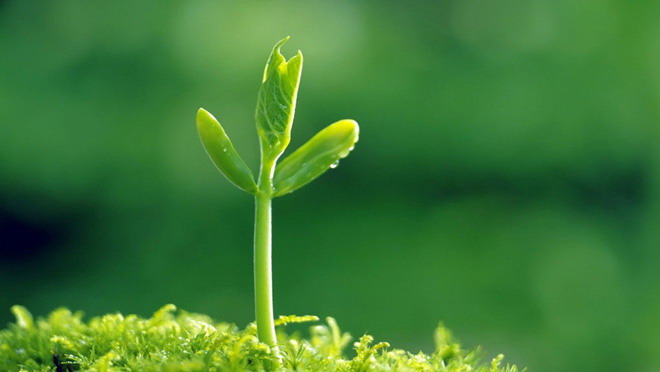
(276, 105)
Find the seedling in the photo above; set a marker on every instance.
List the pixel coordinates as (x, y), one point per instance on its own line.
(276, 105)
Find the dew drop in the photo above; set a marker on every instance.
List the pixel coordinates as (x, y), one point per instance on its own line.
(334, 165)
(224, 149)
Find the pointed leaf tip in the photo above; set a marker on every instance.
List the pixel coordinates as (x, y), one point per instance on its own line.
(281, 42)
(219, 148)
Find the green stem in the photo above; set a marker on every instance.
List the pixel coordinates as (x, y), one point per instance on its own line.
(263, 273)
(263, 283)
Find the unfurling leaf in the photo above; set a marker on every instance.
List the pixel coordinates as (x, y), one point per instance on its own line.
(276, 103)
(316, 156)
(221, 151)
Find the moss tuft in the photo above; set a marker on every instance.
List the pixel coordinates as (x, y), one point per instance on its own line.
(179, 341)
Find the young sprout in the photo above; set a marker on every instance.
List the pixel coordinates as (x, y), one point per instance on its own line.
(276, 106)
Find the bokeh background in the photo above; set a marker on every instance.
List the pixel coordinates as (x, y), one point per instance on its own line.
(506, 183)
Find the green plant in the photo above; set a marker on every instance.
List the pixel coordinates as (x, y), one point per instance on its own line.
(276, 106)
(171, 341)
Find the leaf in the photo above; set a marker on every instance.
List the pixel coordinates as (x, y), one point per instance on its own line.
(221, 151)
(276, 103)
(316, 156)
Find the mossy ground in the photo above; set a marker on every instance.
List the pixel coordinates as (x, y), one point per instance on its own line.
(181, 341)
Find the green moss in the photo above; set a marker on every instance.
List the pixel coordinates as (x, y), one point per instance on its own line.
(181, 341)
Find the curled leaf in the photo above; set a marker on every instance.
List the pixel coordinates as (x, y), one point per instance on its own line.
(316, 156)
(276, 103)
(221, 151)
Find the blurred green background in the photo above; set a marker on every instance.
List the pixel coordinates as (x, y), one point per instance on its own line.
(507, 180)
